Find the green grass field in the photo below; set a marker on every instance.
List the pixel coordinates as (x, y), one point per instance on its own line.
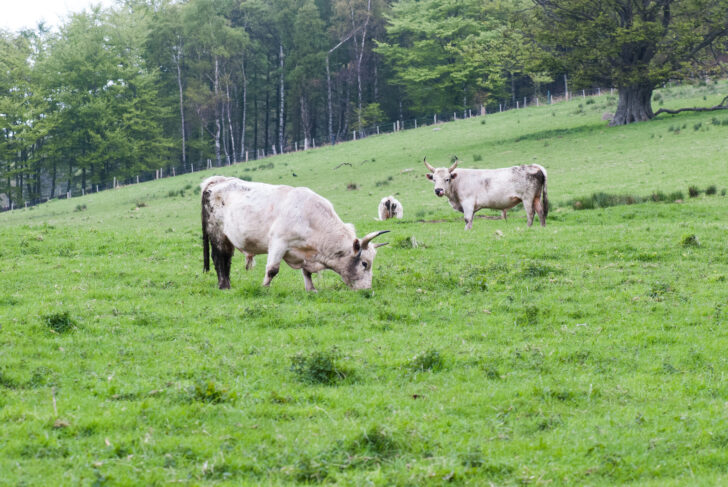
(589, 352)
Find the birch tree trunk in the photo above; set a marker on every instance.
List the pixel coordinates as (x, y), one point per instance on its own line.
(245, 113)
(281, 111)
(218, 125)
(176, 57)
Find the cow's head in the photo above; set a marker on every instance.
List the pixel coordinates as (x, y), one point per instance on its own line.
(357, 272)
(442, 177)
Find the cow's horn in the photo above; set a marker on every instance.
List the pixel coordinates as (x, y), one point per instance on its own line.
(365, 241)
(454, 165)
(382, 244)
(432, 169)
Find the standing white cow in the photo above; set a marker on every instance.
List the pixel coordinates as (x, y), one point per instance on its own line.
(389, 207)
(470, 190)
(291, 224)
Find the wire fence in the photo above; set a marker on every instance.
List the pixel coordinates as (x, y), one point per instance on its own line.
(295, 146)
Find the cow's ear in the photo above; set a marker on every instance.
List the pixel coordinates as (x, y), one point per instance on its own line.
(453, 175)
(429, 176)
(357, 246)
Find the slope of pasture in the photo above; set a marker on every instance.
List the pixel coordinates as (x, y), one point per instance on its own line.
(591, 351)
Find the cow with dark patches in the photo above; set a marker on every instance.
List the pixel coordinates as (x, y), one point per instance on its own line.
(291, 224)
(470, 190)
(389, 207)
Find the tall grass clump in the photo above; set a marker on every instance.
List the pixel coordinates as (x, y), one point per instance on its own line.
(59, 322)
(319, 367)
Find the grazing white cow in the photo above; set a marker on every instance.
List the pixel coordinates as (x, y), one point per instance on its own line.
(470, 190)
(291, 224)
(389, 207)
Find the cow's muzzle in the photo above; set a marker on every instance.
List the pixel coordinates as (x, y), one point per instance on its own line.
(439, 191)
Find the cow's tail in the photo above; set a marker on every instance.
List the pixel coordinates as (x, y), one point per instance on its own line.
(205, 235)
(544, 196)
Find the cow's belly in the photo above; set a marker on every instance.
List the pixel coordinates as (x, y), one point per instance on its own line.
(498, 202)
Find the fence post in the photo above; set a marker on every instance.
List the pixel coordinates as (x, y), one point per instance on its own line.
(415, 123)
(97, 187)
(192, 166)
(246, 156)
(454, 116)
(114, 182)
(353, 135)
(482, 110)
(174, 174)
(137, 178)
(517, 107)
(524, 102)
(377, 129)
(583, 93)
(599, 91)
(434, 118)
(537, 101)
(68, 195)
(83, 193)
(500, 107)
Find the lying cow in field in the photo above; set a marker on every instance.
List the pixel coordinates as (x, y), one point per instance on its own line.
(291, 224)
(470, 190)
(389, 207)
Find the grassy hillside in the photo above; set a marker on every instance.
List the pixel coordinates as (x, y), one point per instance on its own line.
(588, 352)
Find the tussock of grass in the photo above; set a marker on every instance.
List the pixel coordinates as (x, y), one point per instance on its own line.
(428, 361)
(319, 367)
(60, 322)
(210, 391)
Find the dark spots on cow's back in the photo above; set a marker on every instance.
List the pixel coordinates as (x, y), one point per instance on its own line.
(486, 184)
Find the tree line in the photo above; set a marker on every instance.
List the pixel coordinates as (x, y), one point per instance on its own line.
(155, 84)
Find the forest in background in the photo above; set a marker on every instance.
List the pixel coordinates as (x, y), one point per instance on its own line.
(154, 85)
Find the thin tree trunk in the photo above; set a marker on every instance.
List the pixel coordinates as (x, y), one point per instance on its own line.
(266, 132)
(281, 108)
(245, 113)
(176, 55)
(228, 104)
(218, 127)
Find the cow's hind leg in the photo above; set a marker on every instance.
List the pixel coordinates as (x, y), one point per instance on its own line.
(538, 206)
(222, 256)
(528, 206)
(308, 281)
(504, 214)
(276, 251)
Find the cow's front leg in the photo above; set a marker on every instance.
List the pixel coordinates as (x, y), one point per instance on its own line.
(308, 281)
(276, 251)
(468, 211)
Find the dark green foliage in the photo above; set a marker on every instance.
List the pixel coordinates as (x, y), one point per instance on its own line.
(59, 322)
(711, 190)
(80, 208)
(477, 157)
(693, 191)
(319, 367)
